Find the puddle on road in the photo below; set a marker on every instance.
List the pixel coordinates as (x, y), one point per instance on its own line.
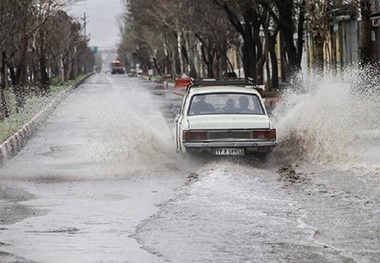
(70, 230)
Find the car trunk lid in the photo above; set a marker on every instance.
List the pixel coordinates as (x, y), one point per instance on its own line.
(229, 122)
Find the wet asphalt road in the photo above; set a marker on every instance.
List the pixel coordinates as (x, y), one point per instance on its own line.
(101, 182)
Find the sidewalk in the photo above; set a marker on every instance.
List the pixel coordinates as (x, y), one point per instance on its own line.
(17, 141)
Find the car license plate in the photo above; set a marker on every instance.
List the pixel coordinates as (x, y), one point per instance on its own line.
(229, 151)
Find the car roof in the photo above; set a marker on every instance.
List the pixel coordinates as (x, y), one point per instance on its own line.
(222, 89)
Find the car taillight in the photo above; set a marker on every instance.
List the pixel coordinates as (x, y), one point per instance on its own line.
(264, 134)
(194, 135)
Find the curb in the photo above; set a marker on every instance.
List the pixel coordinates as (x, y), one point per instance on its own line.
(13, 145)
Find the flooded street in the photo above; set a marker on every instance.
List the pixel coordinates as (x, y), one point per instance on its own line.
(101, 182)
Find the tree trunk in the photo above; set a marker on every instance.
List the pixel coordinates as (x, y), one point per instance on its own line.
(319, 54)
(5, 113)
(208, 58)
(249, 58)
(18, 77)
(44, 77)
(273, 59)
(286, 8)
(179, 47)
(284, 61)
(18, 89)
(44, 80)
(157, 67)
(365, 38)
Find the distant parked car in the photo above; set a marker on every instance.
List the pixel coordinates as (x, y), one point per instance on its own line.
(225, 117)
(139, 72)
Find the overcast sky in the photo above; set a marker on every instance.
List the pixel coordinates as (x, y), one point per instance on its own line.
(102, 27)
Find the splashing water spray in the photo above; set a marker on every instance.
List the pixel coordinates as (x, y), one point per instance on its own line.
(332, 119)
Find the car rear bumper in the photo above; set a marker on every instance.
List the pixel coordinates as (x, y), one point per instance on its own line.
(250, 147)
(230, 144)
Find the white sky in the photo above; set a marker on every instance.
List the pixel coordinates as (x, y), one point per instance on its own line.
(102, 26)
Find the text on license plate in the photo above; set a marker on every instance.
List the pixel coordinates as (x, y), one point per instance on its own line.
(229, 151)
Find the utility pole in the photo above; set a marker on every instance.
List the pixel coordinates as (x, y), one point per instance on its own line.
(85, 39)
(84, 26)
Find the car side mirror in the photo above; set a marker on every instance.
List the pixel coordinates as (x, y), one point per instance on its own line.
(176, 110)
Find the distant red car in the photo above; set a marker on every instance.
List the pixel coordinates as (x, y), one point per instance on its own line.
(117, 67)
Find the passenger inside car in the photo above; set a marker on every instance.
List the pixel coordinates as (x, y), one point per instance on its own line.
(244, 104)
(201, 106)
(230, 106)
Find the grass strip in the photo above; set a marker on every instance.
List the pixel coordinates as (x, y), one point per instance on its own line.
(34, 104)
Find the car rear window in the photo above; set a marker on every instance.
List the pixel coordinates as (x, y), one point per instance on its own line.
(225, 103)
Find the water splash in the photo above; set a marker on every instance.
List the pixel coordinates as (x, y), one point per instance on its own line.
(100, 134)
(331, 119)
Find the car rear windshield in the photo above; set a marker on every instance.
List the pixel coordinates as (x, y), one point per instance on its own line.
(225, 103)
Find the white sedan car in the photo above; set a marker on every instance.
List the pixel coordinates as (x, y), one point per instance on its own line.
(223, 118)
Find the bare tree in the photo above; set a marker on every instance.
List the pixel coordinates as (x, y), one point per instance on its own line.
(65, 45)
(318, 15)
(183, 30)
(6, 30)
(23, 38)
(289, 15)
(244, 17)
(183, 39)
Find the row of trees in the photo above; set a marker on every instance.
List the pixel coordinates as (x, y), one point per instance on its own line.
(175, 36)
(39, 42)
